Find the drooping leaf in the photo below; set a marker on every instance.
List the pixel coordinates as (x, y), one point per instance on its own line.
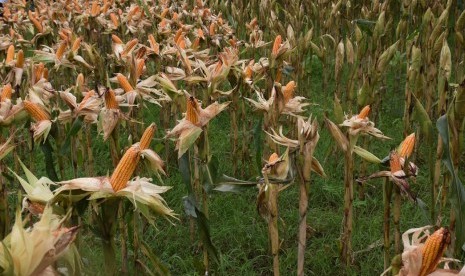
(184, 169)
(75, 127)
(191, 209)
(423, 119)
(157, 266)
(49, 160)
(457, 191)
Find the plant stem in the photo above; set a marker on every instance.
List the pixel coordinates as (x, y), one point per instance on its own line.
(303, 209)
(396, 210)
(387, 195)
(346, 253)
(273, 223)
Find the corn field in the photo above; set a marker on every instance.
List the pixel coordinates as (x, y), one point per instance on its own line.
(271, 137)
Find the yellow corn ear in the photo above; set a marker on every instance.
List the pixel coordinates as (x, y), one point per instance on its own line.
(277, 43)
(394, 162)
(114, 19)
(6, 12)
(95, 10)
(147, 136)
(110, 100)
(140, 63)
(192, 111)
(129, 46)
(433, 249)
(36, 22)
(45, 73)
(39, 72)
(153, 44)
(61, 50)
(273, 158)
(76, 44)
(89, 94)
(6, 92)
(177, 36)
(10, 54)
(288, 91)
(116, 39)
(36, 111)
(406, 148)
(125, 168)
(364, 112)
(212, 29)
(20, 59)
(124, 83)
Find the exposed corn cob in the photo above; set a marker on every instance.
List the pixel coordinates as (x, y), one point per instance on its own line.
(153, 44)
(177, 36)
(10, 54)
(114, 19)
(288, 91)
(125, 168)
(364, 112)
(39, 72)
(129, 46)
(212, 29)
(45, 73)
(36, 22)
(273, 158)
(164, 13)
(6, 92)
(95, 10)
(406, 148)
(124, 83)
(89, 94)
(20, 59)
(6, 12)
(140, 63)
(116, 39)
(433, 249)
(76, 44)
(394, 162)
(147, 136)
(61, 50)
(110, 100)
(36, 111)
(277, 43)
(192, 110)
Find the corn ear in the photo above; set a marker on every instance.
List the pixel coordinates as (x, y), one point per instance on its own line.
(36, 111)
(433, 249)
(147, 136)
(125, 168)
(124, 83)
(10, 54)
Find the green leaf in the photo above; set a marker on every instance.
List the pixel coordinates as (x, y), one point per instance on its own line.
(75, 127)
(366, 26)
(49, 160)
(422, 117)
(457, 191)
(184, 169)
(157, 265)
(190, 207)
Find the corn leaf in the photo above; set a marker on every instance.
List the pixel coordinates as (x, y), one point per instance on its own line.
(191, 209)
(457, 191)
